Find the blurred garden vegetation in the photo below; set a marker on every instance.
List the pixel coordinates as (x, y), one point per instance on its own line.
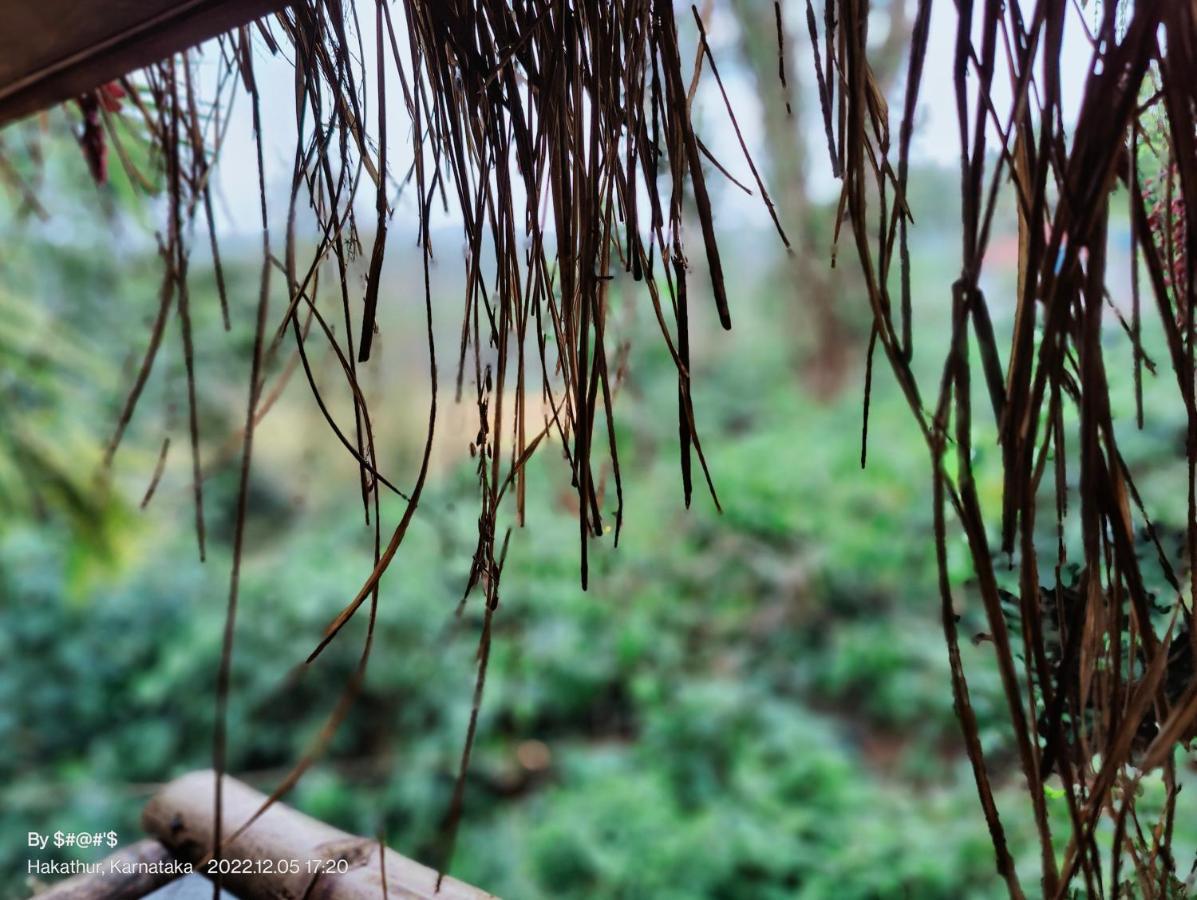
(747, 705)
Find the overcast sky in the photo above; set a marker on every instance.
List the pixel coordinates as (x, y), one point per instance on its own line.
(936, 138)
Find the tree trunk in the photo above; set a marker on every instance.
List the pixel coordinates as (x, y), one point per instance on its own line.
(814, 291)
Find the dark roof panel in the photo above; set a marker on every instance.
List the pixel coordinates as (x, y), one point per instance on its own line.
(52, 50)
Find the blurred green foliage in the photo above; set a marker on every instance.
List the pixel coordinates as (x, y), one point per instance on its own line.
(716, 720)
(747, 705)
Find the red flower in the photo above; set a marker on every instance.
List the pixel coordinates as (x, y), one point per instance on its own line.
(1167, 223)
(110, 96)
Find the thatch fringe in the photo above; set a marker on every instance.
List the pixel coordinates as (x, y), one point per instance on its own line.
(562, 133)
(1103, 689)
(550, 126)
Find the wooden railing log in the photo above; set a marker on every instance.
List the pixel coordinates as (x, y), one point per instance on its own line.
(285, 854)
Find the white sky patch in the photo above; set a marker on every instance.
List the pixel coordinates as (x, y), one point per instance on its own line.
(936, 137)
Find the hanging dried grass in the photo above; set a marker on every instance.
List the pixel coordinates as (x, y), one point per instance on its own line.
(550, 125)
(1098, 678)
(561, 132)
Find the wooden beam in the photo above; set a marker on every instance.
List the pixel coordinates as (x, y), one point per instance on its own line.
(53, 50)
(285, 853)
